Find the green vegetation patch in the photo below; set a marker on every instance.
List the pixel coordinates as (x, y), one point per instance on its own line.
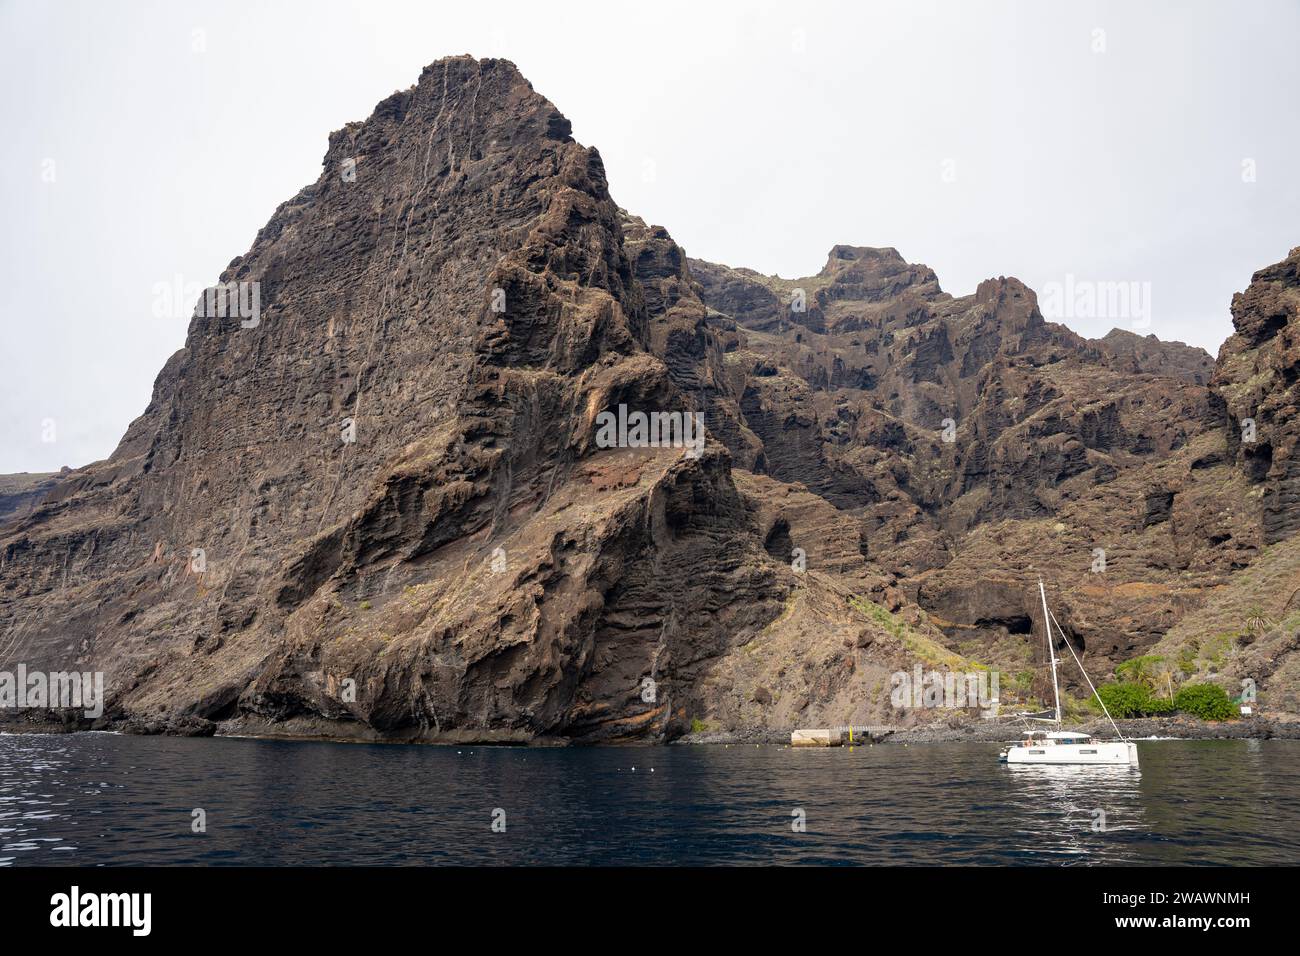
(1128, 699)
(1206, 701)
(923, 648)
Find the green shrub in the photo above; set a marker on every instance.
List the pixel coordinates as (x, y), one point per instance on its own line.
(1157, 706)
(1134, 699)
(1126, 699)
(1206, 701)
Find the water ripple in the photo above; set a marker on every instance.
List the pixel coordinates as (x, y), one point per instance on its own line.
(91, 799)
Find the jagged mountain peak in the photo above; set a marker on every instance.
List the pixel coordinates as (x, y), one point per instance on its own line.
(861, 260)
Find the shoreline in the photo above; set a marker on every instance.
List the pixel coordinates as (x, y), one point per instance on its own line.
(1152, 728)
(1145, 728)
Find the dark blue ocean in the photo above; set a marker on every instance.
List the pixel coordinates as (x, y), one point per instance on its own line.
(103, 799)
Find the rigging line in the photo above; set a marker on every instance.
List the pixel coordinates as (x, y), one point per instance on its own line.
(1088, 679)
(1051, 650)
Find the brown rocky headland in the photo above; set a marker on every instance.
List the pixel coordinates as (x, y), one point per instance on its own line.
(384, 511)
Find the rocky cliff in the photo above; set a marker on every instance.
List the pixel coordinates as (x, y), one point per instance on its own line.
(981, 446)
(21, 493)
(388, 506)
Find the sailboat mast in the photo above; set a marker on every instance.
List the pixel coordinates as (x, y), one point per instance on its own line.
(1051, 648)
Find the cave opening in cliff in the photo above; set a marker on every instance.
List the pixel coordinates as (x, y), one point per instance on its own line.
(1074, 640)
(778, 543)
(1012, 624)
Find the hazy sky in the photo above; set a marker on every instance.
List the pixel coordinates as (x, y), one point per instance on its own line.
(146, 143)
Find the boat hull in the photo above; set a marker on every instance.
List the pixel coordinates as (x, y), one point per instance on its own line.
(1111, 754)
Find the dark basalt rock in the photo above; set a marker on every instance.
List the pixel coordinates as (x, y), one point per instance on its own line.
(21, 493)
(1058, 446)
(409, 530)
(1258, 375)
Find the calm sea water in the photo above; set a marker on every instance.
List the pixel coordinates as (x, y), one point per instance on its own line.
(94, 799)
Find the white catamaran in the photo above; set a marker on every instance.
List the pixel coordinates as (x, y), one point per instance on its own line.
(1065, 746)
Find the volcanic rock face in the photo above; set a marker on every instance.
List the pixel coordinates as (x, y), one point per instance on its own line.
(982, 447)
(381, 503)
(382, 508)
(1257, 377)
(20, 494)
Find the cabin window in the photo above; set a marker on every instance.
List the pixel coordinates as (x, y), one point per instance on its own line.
(1038, 751)
(1087, 751)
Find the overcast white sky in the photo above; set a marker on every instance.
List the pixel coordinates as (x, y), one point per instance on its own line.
(981, 138)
